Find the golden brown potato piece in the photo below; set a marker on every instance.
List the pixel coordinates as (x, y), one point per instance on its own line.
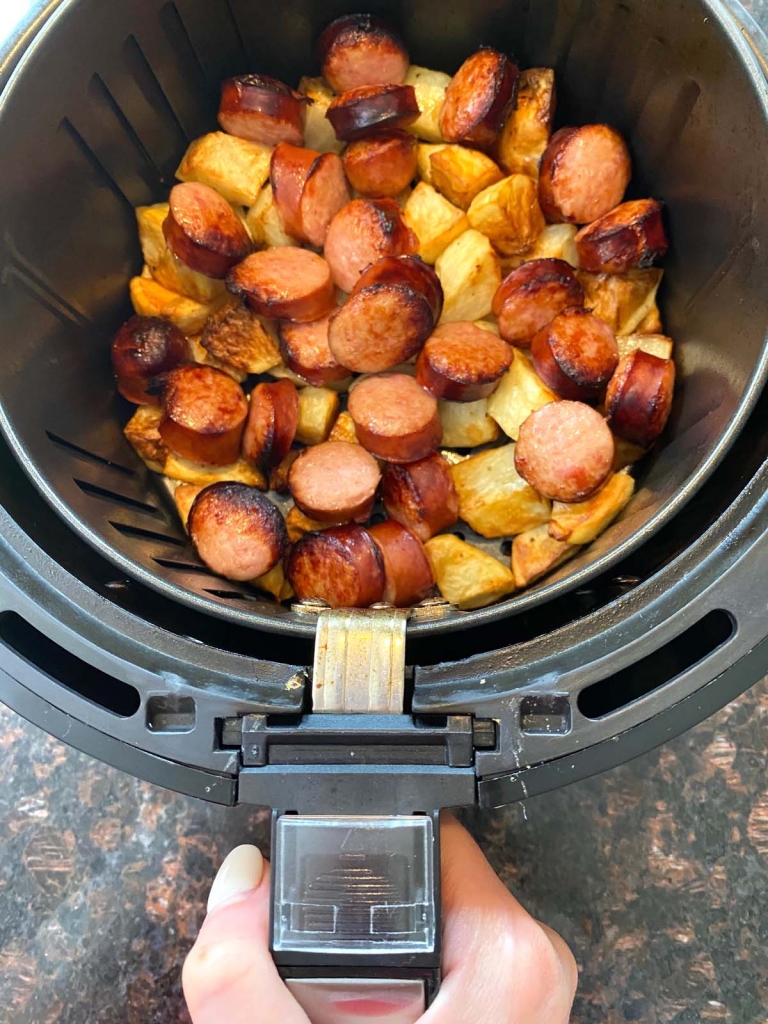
(429, 87)
(265, 224)
(424, 153)
(202, 474)
(318, 132)
(509, 214)
(582, 522)
(276, 583)
(166, 268)
(143, 432)
(344, 429)
(236, 336)
(622, 300)
(470, 272)
(493, 498)
(526, 132)
(150, 298)
(535, 553)
(318, 409)
(434, 220)
(467, 424)
(298, 524)
(651, 324)
(201, 355)
(657, 344)
(627, 454)
(557, 242)
(520, 392)
(466, 576)
(235, 167)
(460, 174)
(184, 496)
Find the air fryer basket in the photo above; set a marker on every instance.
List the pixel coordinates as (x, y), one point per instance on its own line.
(102, 107)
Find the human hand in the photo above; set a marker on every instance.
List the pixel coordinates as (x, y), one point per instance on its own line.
(500, 966)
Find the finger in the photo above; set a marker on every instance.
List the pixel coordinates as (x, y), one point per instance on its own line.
(500, 965)
(229, 975)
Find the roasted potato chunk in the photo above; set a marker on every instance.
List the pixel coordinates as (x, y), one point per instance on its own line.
(520, 392)
(526, 132)
(264, 222)
(298, 524)
(470, 273)
(535, 553)
(624, 301)
(143, 432)
(488, 325)
(150, 298)
(466, 576)
(580, 523)
(318, 131)
(344, 429)
(557, 242)
(201, 355)
(318, 409)
(236, 336)
(460, 174)
(429, 87)
(656, 344)
(435, 221)
(235, 167)
(275, 583)
(627, 454)
(509, 214)
(467, 424)
(493, 498)
(424, 153)
(184, 496)
(189, 472)
(166, 268)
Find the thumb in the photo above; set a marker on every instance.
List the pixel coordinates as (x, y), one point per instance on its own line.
(229, 974)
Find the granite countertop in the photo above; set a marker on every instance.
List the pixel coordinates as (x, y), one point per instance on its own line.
(655, 873)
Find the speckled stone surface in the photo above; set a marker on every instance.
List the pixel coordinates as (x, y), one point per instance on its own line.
(656, 874)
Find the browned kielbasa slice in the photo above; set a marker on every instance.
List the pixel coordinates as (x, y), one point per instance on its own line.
(394, 418)
(629, 237)
(532, 295)
(379, 326)
(639, 397)
(273, 417)
(576, 354)
(383, 165)
(362, 232)
(584, 173)
(421, 496)
(325, 193)
(372, 108)
(407, 573)
(284, 284)
(360, 49)
(261, 109)
(237, 531)
(341, 565)
(565, 451)
(306, 351)
(204, 413)
(144, 348)
(288, 171)
(476, 101)
(462, 363)
(204, 231)
(406, 270)
(335, 482)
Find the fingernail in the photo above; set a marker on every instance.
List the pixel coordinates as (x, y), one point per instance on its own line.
(240, 873)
